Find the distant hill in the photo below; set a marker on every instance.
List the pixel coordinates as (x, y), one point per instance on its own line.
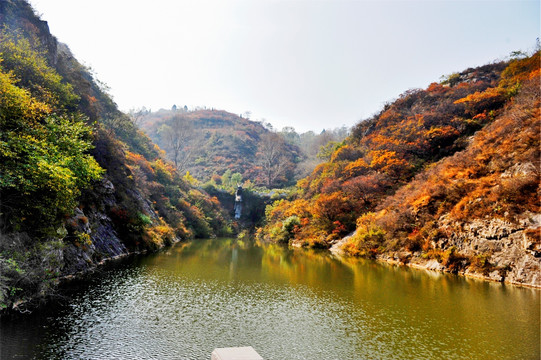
(217, 141)
(446, 176)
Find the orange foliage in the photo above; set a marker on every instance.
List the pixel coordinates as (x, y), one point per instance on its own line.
(388, 162)
(496, 176)
(411, 136)
(356, 168)
(491, 98)
(139, 161)
(330, 211)
(521, 70)
(436, 88)
(481, 96)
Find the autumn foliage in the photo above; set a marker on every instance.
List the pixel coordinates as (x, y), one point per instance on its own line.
(462, 149)
(220, 141)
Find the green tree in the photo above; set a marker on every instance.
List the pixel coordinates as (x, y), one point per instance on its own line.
(226, 178)
(44, 160)
(236, 178)
(327, 150)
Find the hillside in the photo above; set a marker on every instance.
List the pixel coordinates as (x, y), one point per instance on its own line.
(446, 177)
(80, 184)
(211, 142)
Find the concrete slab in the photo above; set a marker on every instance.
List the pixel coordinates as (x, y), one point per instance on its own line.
(235, 353)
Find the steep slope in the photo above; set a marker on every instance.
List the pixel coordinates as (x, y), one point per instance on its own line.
(214, 141)
(79, 183)
(411, 136)
(478, 211)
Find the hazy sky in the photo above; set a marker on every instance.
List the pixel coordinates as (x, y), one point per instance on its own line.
(307, 64)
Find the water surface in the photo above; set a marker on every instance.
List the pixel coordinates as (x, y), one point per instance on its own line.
(288, 304)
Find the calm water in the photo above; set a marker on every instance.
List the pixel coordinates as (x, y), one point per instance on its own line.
(287, 304)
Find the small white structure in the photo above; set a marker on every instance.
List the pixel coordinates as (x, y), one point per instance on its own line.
(235, 353)
(238, 202)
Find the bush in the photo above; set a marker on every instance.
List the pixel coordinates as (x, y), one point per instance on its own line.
(368, 239)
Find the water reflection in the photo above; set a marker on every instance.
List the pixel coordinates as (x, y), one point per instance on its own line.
(288, 304)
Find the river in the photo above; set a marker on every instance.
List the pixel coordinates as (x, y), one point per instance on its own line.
(183, 302)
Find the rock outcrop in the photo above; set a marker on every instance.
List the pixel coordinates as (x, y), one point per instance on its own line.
(512, 249)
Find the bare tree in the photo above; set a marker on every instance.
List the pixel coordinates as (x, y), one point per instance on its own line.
(137, 115)
(179, 137)
(271, 157)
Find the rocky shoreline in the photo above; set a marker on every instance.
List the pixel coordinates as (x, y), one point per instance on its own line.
(513, 255)
(434, 265)
(28, 305)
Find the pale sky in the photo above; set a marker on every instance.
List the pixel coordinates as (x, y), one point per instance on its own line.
(308, 64)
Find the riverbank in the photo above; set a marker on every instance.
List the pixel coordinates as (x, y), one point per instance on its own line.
(527, 276)
(433, 265)
(46, 268)
(31, 304)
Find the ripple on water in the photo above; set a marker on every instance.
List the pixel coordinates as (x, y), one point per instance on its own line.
(140, 317)
(160, 311)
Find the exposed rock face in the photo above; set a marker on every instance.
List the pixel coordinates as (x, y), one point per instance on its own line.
(520, 170)
(13, 12)
(336, 247)
(97, 239)
(102, 244)
(511, 247)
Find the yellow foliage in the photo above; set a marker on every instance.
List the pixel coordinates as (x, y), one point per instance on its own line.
(356, 167)
(160, 234)
(420, 202)
(480, 96)
(17, 103)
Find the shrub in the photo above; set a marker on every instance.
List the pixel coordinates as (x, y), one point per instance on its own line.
(480, 263)
(368, 239)
(453, 261)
